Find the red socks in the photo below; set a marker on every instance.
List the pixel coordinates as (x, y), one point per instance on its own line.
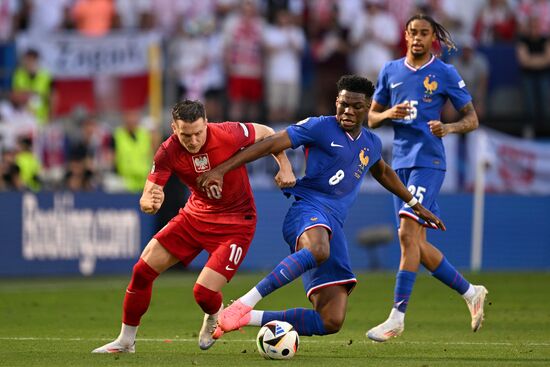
(208, 300)
(138, 293)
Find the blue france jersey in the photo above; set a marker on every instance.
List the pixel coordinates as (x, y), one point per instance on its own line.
(335, 163)
(426, 89)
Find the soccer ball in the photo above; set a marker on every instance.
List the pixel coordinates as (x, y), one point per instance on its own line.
(277, 340)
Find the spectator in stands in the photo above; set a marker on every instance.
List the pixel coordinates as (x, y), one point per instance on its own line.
(374, 36)
(9, 19)
(527, 9)
(93, 17)
(496, 23)
(133, 151)
(284, 43)
(91, 149)
(10, 178)
(79, 174)
(134, 14)
(36, 81)
(196, 60)
(50, 145)
(533, 53)
(28, 163)
(401, 9)
(294, 8)
(46, 17)
(167, 16)
(330, 52)
(244, 62)
(462, 16)
(473, 66)
(199, 16)
(16, 120)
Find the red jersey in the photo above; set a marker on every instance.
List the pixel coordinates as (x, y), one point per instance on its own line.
(222, 141)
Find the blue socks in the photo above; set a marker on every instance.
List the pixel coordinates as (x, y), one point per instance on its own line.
(403, 289)
(289, 269)
(306, 321)
(447, 274)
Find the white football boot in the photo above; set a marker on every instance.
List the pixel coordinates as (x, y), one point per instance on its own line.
(209, 325)
(475, 305)
(391, 328)
(116, 347)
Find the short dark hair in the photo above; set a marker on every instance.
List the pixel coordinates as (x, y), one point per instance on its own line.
(355, 83)
(188, 111)
(31, 52)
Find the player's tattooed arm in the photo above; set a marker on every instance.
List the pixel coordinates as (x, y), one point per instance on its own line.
(467, 123)
(152, 198)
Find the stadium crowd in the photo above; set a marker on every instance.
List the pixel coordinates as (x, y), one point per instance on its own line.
(272, 61)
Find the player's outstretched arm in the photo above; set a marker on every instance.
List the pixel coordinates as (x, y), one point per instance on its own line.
(467, 123)
(387, 177)
(285, 177)
(271, 145)
(152, 198)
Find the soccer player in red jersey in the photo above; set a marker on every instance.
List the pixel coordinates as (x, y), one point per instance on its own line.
(222, 225)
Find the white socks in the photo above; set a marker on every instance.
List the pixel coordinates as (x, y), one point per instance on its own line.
(256, 318)
(469, 294)
(251, 298)
(397, 315)
(127, 335)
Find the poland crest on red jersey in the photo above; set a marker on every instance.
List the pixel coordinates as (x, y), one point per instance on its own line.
(201, 163)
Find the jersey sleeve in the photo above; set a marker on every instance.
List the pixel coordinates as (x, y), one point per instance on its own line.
(456, 89)
(162, 168)
(377, 147)
(305, 132)
(243, 134)
(382, 93)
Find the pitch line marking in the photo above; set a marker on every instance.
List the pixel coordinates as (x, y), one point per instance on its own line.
(188, 340)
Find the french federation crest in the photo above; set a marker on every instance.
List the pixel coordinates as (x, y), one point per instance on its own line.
(430, 86)
(201, 163)
(363, 162)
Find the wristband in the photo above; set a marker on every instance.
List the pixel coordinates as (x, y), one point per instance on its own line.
(412, 202)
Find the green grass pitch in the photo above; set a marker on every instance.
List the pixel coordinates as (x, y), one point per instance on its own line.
(57, 322)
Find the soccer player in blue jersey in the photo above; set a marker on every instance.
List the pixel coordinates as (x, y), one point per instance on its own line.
(339, 151)
(411, 92)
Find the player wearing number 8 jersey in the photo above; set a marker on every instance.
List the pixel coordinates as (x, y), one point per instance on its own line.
(339, 151)
(224, 227)
(411, 92)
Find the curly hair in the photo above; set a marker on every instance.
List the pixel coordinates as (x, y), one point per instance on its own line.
(188, 111)
(441, 33)
(355, 83)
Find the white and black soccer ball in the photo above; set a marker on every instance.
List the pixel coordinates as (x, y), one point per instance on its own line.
(277, 340)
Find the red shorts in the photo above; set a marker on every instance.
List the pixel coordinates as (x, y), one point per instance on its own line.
(249, 89)
(227, 244)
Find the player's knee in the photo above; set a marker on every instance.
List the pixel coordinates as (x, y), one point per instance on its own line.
(320, 252)
(333, 323)
(143, 276)
(208, 300)
(407, 239)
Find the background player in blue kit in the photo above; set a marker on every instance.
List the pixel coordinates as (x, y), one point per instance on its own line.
(411, 92)
(339, 151)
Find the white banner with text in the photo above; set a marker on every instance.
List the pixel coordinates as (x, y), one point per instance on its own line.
(70, 55)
